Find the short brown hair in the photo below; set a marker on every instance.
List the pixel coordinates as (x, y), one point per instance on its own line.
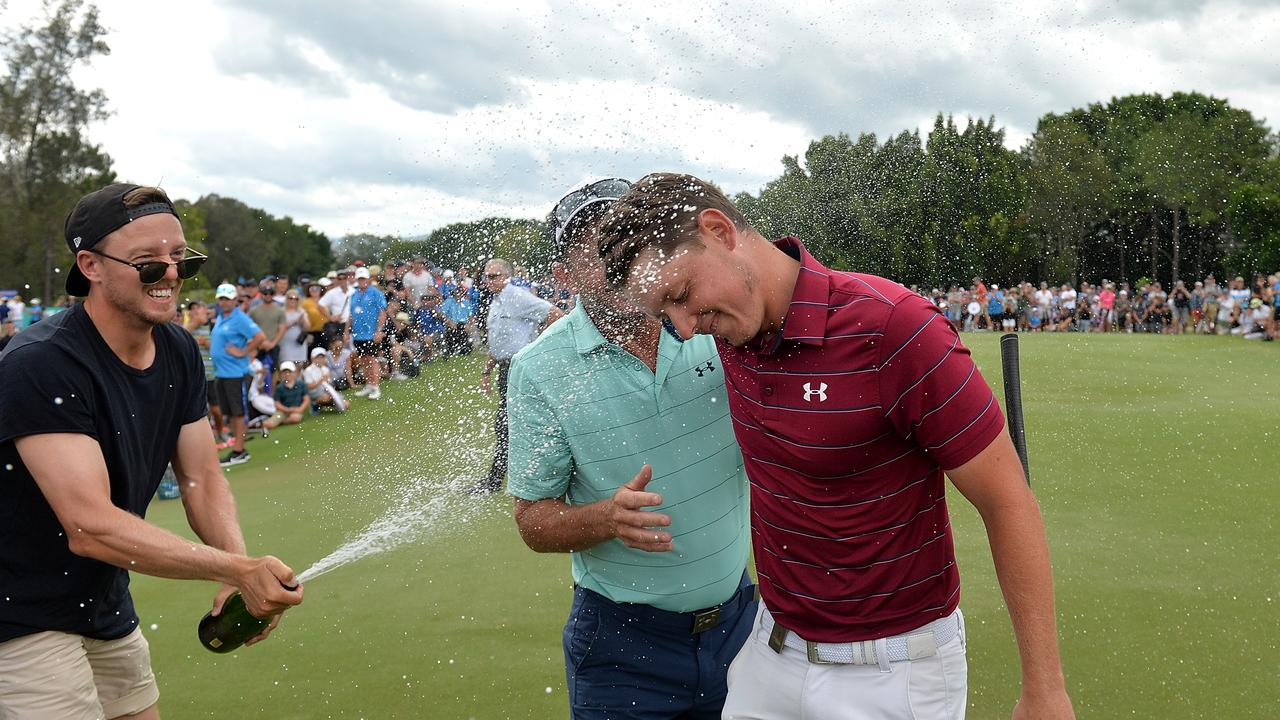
(660, 211)
(144, 195)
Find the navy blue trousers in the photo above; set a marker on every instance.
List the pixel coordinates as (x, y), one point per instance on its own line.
(636, 662)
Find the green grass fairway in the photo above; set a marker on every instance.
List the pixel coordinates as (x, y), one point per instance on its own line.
(1156, 461)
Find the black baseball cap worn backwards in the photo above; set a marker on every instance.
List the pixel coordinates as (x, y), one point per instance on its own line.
(96, 216)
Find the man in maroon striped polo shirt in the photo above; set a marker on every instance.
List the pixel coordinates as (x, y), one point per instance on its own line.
(850, 396)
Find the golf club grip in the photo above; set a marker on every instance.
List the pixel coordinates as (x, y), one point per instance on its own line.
(1013, 398)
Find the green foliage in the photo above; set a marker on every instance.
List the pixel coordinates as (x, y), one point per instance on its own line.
(1096, 193)
(46, 160)
(921, 215)
(524, 242)
(243, 240)
(462, 244)
(1071, 190)
(1254, 215)
(365, 246)
(1172, 157)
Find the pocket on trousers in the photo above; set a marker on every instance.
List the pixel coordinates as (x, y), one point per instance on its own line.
(937, 686)
(580, 636)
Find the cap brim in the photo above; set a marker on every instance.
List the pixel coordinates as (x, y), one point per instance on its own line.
(77, 283)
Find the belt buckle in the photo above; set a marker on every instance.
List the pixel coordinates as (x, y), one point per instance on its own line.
(704, 620)
(812, 649)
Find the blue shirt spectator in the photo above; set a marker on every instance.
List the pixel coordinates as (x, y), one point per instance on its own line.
(429, 323)
(995, 303)
(459, 311)
(234, 328)
(366, 305)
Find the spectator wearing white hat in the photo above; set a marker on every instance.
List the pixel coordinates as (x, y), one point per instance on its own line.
(231, 344)
(447, 283)
(292, 400)
(319, 381)
(368, 316)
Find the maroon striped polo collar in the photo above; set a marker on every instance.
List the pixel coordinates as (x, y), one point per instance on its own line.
(806, 318)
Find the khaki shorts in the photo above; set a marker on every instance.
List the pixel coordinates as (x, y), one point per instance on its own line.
(71, 677)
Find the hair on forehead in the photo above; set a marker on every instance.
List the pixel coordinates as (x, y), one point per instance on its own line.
(504, 266)
(660, 211)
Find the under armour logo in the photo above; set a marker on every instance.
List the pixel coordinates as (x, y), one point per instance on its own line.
(76, 241)
(704, 368)
(809, 392)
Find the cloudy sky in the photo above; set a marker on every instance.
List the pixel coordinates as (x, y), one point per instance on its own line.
(399, 116)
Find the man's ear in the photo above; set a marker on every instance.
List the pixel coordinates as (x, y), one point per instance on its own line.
(561, 274)
(89, 265)
(716, 227)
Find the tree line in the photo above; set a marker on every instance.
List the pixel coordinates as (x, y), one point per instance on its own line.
(1141, 186)
(47, 162)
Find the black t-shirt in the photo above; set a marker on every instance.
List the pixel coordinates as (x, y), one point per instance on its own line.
(61, 377)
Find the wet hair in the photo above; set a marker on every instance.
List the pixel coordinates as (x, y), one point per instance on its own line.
(660, 211)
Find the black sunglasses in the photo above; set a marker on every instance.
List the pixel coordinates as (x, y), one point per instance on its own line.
(610, 189)
(153, 272)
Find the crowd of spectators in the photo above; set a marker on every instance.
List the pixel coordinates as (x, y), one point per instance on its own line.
(1245, 309)
(17, 314)
(298, 347)
(293, 347)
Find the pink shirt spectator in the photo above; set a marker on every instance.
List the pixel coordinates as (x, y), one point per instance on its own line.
(1107, 299)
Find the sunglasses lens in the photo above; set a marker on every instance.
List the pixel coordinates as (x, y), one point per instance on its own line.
(569, 204)
(189, 267)
(152, 272)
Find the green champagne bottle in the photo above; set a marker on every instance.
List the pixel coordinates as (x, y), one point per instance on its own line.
(228, 630)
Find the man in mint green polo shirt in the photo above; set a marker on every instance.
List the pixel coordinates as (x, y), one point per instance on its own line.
(622, 454)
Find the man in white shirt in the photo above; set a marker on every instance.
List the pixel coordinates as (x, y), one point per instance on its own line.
(1044, 297)
(318, 379)
(515, 318)
(336, 304)
(417, 281)
(1068, 298)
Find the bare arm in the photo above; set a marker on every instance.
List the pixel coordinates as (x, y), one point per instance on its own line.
(552, 525)
(72, 475)
(993, 481)
(206, 495)
(488, 371)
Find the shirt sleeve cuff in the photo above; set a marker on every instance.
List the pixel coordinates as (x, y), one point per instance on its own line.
(975, 440)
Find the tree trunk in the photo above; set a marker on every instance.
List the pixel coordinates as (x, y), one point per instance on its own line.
(1155, 237)
(1177, 224)
(1200, 255)
(1122, 275)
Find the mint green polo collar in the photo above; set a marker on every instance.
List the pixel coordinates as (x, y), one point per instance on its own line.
(586, 336)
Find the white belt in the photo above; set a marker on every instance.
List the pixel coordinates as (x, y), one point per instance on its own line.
(919, 643)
